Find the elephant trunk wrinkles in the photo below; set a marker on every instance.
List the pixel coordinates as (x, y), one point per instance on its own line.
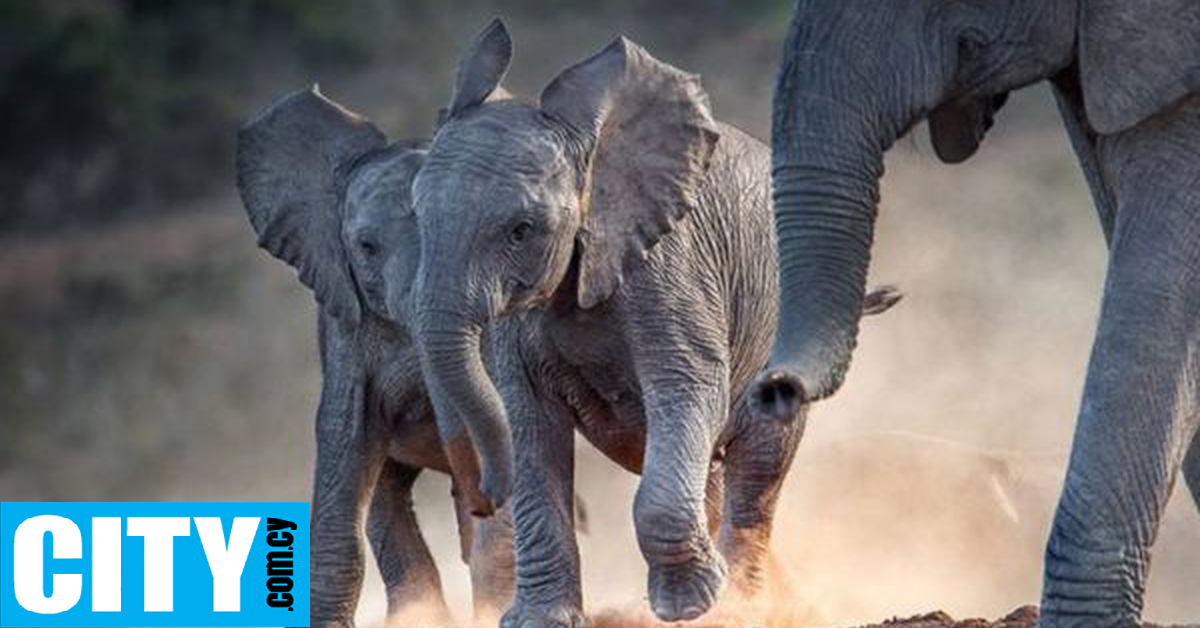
(827, 160)
(452, 360)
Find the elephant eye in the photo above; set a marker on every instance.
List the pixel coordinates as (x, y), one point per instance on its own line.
(520, 233)
(368, 247)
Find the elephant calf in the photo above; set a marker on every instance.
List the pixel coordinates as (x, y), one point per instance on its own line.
(613, 249)
(327, 195)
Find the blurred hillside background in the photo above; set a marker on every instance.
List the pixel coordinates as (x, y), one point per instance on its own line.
(148, 350)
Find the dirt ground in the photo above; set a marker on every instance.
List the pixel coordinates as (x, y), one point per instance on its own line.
(1023, 617)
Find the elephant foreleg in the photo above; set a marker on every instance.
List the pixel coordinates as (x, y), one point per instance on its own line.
(1139, 410)
(686, 573)
(347, 467)
(414, 589)
(548, 591)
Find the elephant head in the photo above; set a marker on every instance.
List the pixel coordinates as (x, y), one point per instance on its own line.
(858, 74)
(519, 204)
(327, 195)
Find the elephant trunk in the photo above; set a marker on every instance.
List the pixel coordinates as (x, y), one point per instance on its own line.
(827, 159)
(451, 358)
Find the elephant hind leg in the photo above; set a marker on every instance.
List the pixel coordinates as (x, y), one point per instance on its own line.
(1191, 469)
(491, 564)
(756, 466)
(486, 544)
(414, 589)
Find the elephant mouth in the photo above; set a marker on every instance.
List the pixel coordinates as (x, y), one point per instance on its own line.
(374, 294)
(526, 297)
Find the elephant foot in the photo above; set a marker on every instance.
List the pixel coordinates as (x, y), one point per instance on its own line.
(1091, 580)
(687, 590)
(487, 612)
(1079, 614)
(487, 616)
(523, 615)
(746, 553)
(1073, 621)
(427, 614)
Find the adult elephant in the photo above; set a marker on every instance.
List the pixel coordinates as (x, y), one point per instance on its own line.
(858, 74)
(613, 246)
(327, 194)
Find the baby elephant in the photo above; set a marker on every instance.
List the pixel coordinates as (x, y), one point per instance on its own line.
(326, 194)
(612, 247)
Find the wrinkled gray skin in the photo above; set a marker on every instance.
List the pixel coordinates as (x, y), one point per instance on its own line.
(612, 247)
(858, 74)
(327, 196)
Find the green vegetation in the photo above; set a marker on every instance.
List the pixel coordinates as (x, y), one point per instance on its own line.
(115, 108)
(94, 95)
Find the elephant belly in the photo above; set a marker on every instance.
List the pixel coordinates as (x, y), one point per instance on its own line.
(594, 374)
(397, 394)
(619, 435)
(608, 413)
(416, 443)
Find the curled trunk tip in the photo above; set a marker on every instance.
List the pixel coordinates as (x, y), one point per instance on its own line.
(778, 394)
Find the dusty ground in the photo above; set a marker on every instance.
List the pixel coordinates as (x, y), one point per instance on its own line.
(1024, 617)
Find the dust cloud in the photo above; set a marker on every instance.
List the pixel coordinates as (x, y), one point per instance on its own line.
(930, 481)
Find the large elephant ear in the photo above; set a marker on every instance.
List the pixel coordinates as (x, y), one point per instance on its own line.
(481, 69)
(1136, 58)
(292, 165)
(957, 128)
(650, 138)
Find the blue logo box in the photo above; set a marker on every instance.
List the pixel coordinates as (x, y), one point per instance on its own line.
(154, 564)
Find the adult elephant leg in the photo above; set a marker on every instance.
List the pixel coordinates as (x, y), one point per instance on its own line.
(546, 556)
(492, 566)
(414, 589)
(1139, 411)
(348, 465)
